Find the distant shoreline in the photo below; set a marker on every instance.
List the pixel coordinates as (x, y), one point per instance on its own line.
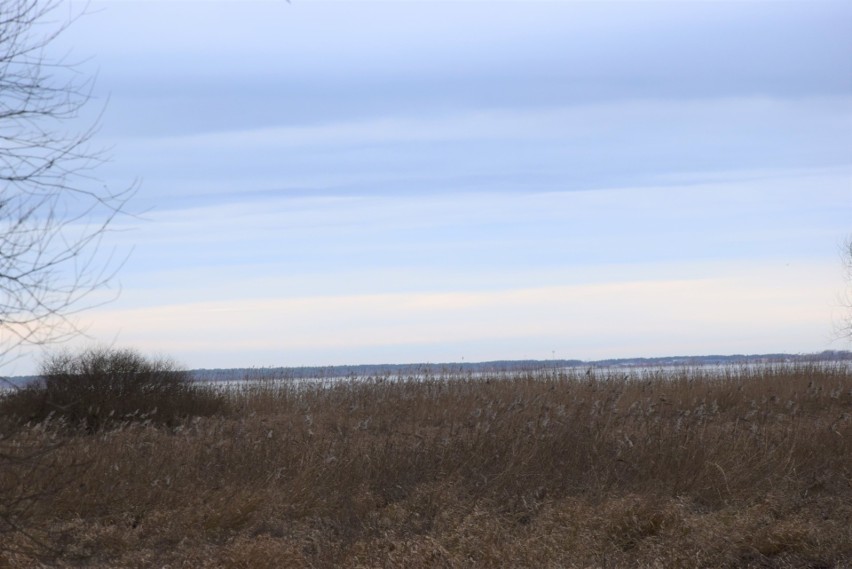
(366, 370)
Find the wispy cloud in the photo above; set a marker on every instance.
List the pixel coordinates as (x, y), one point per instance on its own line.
(728, 312)
(517, 150)
(775, 215)
(596, 121)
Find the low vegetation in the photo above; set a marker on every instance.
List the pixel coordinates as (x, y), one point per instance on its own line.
(102, 388)
(734, 467)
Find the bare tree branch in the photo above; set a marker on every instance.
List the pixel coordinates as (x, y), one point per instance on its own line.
(53, 214)
(53, 217)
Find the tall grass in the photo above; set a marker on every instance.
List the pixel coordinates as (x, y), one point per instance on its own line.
(735, 467)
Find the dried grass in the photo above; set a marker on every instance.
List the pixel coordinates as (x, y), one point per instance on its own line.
(738, 467)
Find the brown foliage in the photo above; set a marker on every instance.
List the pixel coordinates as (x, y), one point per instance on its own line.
(739, 467)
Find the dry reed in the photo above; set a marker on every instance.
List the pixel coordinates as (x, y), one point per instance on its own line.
(733, 467)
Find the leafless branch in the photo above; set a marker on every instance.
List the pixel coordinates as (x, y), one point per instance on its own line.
(53, 213)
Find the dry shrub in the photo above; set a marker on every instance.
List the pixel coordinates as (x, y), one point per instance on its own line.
(103, 387)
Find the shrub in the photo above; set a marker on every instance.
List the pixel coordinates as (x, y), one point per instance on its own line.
(104, 387)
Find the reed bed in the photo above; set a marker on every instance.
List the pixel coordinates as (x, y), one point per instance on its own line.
(729, 467)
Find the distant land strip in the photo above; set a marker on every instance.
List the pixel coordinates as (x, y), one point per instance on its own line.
(421, 369)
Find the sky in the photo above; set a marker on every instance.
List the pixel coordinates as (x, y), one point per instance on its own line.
(326, 183)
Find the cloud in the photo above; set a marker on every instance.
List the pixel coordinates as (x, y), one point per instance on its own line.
(775, 214)
(767, 306)
(578, 121)
(769, 45)
(252, 64)
(516, 150)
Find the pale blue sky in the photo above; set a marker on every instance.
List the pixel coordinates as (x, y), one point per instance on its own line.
(368, 182)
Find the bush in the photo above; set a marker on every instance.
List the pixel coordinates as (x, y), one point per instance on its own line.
(103, 387)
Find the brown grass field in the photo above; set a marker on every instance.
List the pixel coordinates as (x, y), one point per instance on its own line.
(739, 467)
